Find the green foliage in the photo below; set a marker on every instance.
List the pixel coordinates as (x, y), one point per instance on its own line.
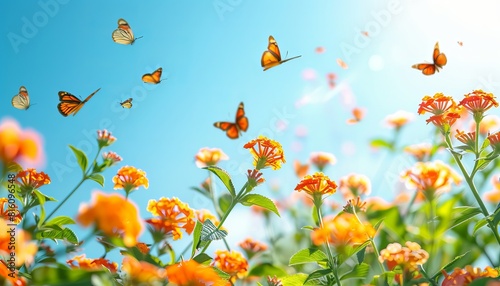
(81, 158)
(224, 178)
(261, 201)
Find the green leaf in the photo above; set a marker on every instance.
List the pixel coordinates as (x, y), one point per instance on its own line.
(202, 258)
(462, 214)
(62, 275)
(319, 274)
(196, 236)
(261, 201)
(449, 265)
(55, 232)
(309, 227)
(360, 271)
(386, 279)
(224, 202)
(98, 178)
(266, 269)
(308, 255)
(40, 200)
(210, 232)
(60, 221)
(202, 192)
(482, 222)
(496, 217)
(381, 143)
(81, 158)
(361, 255)
(224, 177)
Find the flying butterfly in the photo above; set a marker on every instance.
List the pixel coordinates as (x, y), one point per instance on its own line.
(272, 57)
(439, 60)
(154, 77)
(123, 35)
(71, 104)
(22, 99)
(233, 130)
(126, 103)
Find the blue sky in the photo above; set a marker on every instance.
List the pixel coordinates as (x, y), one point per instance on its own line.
(210, 52)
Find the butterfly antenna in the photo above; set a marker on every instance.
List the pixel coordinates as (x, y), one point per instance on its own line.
(286, 56)
(137, 38)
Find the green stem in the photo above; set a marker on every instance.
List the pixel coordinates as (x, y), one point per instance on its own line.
(432, 229)
(66, 198)
(372, 242)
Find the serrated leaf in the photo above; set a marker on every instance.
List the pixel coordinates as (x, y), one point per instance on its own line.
(210, 232)
(308, 255)
(98, 178)
(462, 214)
(261, 201)
(294, 279)
(224, 177)
(81, 158)
(360, 271)
(224, 202)
(196, 237)
(60, 221)
(266, 269)
(62, 234)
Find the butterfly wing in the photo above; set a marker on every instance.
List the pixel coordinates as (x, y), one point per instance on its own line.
(439, 58)
(230, 128)
(271, 57)
(69, 104)
(22, 99)
(241, 119)
(427, 69)
(123, 35)
(127, 103)
(154, 77)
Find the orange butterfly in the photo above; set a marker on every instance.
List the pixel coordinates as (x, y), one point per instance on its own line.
(71, 104)
(233, 130)
(358, 114)
(439, 60)
(272, 57)
(126, 103)
(154, 78)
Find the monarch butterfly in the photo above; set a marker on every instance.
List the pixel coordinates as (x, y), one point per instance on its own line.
(233, 130)
(127, 103)
(123, 35)
(439, 60)
(154, 77)
(272, 57)
(71, 104)
(342, 64)
(22, 99)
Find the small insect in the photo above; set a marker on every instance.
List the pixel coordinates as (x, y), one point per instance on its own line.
(123, 35)
(127, 103)
(233, 130)
(22, 99)
(154, 78)
(460, 43)
(358, 114)
(71, 104)
(342, 64)
(272, 57)
(439, 60)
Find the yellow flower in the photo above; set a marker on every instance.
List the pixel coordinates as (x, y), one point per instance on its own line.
(114, 215)
(316, 185)
(322, 159)
(233, 263)
(129, 178)
(354, 185)
(142, 273)
(408, 258)
(421, 152)
(172, 215)
(209, 157)
(266, 153)
(464, 277)
(191, 273)
(82, 262)
(18, 145)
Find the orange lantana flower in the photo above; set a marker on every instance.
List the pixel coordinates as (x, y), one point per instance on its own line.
(316, 185)
(18, 145)
(421, 152)
(9, 211)
(25, 249)
(114, 215)
(104, 138)
(130, 178)
(172, 215)
(82, 262)
(209, 157)
(14, 278)
(437, 104)
(231, 262)
(354, 185)
(193, 274)
(321, 159)
(495, 140)
(29, 180)
(398, 119)
(464, 277)
(142, 273)
(111, 158)
(408, 258)
(342, 230)
(252, 247)
(478, 102)
(468, 139)
(266, 153)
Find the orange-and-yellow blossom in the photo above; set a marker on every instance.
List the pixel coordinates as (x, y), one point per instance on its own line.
(444, 121)
(354, 185)
(209, 157)
(321, 159)
(204, 214)
(266, 153)
(421, 152)
(252, 247)
(468, 139)
(231, 262)
(18, 145)
(9, 211)
(191, 273)
(316, 185)
(25, 249)
(104, 138)
(143, 248)
(171, 216)
(254, 178)
(355, 205)
(431, 178)
(141, 272)
(408, 258)
(114, 215)
(398, 119)
(464, 277)
(437, 104)
(82, 262)
(29, 180)
(342, 230)
(130, 178)
(14, 278)
(478, 102)
(495, 141)
(493, 196)
(111, 158)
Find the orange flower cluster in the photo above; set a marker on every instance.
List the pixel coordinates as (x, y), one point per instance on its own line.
(464, 277)
(468, 138)
(266, 153)
(142, 273)
(478, 102)
(342, 230)
(25, 249)
(444, 108)
(114, 215)
(354, 185)
(321, 159)
(82, 262)
(18, 145)
(398, 119)
(254, 178)
(420, 152)
(129, 178)
(431, 178)
(29, 180)
(9, 212)
(233, 263)
(209, 157)
(316, 185)
(111, 158)
(6, 275)
(193, 274)
(252, 247)
(408, 258)
(494, 141)
(355, 206)
(172, 215)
